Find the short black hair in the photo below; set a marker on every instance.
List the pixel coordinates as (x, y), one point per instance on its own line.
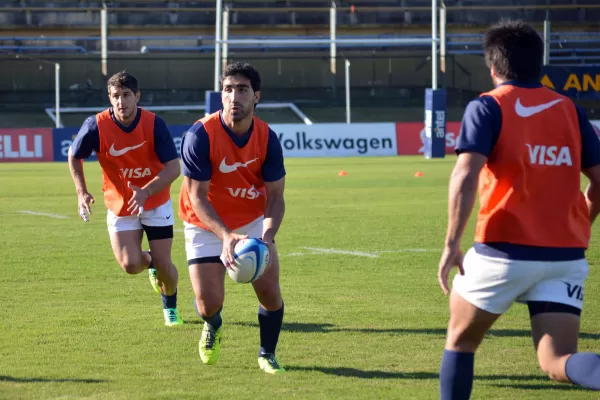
(122, 80)
(515, 50)
(244, 69)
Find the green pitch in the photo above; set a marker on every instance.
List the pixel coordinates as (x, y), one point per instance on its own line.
(364, 319)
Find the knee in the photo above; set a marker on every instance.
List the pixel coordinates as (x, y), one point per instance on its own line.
(164, 266)
(270, 298)
(461, 341)
(132, 267)
(554, 368)
(208, 305)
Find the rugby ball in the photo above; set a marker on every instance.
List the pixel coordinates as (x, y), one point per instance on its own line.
(251, 260)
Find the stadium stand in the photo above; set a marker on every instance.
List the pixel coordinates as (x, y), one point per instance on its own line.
(169, 45)
(286, 12)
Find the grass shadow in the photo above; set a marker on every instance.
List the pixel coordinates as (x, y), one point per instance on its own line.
(193, 322)
(420, 375)
(541, 386)
(301, 327)
(13, 379)
(527, 333)
(363, 374)
(510, 377)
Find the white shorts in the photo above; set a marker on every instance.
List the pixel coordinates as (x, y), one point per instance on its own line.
(159, 216)
(200, 243)
(494, 284)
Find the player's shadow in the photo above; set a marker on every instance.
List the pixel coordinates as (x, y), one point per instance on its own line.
(377, 374)
(527, 333)
(540, 386)
(301, 327)
(527, 386)
(6, 378)
(364, 374)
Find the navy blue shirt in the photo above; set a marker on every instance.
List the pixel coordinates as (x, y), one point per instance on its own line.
(479, 132)
(195, 153)
(88, 138)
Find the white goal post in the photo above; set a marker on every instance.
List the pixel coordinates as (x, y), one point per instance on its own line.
(54, 114)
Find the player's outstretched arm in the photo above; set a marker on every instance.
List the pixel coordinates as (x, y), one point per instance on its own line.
(592, 193)
(590, 163)
(273, 171)
(274, 210)
(461, 194)
(461, 200)
(198, 192)
(84, 198)
(204, 210)
(86, 141)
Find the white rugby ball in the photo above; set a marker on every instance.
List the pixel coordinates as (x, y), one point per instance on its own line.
(251, 260)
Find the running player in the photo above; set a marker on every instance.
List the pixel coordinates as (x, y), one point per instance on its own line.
(139, 162)
(233, 185)
(525, 146)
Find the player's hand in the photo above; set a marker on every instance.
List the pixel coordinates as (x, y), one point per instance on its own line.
(229, 242)
(84, 200)
(136, 203)
(452, 256)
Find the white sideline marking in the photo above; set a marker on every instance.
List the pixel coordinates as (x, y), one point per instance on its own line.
(300, 254)
(336, 251)
(43, 214)
(410, 251)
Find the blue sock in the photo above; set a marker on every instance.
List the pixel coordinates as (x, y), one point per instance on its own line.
(270, 325)
(583, 369)
(169, 301)
(215, 321)
(456, 375)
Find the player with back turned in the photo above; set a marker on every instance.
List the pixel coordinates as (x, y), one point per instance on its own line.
(525, 147)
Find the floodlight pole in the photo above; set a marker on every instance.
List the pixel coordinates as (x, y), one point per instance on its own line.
(547, 38)
(57, 93)
(443, 37)
(225, 50)
(218, 43)
(104, 40)
(347, 78)
(434, 59)
(332, 35)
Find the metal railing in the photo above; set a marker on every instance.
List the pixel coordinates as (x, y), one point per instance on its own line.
(306, 7)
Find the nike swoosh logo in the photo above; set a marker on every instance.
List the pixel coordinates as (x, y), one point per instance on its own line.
(116, 153)
(525, 112)
(224, 168)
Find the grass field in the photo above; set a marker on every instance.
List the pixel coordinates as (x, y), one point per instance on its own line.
(368, 325)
